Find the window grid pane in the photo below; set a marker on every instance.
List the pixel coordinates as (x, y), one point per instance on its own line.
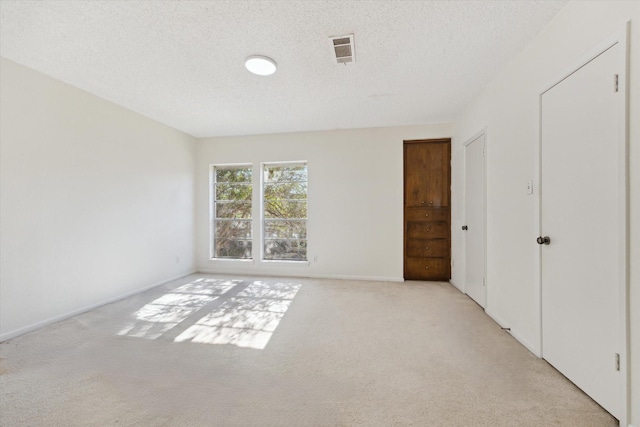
(285, 173)
(285, 212)
(233, 191)
(231, 225)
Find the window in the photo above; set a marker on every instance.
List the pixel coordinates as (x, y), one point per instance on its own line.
(231, 191)
(285, 211)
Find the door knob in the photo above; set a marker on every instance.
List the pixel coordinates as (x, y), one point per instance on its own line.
(543, 240)
(464, 227)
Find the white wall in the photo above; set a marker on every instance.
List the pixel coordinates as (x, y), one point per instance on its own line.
(355, 198)
(96, 201)
(508, 108)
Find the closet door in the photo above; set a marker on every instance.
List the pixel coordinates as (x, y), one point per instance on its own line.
(475, 221)
(583, 228)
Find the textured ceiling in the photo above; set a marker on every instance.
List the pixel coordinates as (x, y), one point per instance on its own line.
(182, 62)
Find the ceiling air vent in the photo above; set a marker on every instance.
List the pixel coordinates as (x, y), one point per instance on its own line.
(343, 49)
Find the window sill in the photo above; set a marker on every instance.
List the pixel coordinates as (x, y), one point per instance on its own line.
(263, 261)
(285, 261)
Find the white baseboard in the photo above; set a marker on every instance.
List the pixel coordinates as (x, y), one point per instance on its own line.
(532, 348)
(455, 285)
(503, 324)
(309, 276)
(367, 278)
(34, 326)
(496, 318)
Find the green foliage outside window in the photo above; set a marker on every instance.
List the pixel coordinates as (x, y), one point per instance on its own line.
(232, 222)
(285, 212)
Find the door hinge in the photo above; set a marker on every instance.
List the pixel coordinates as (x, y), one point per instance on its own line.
(617, 357)
(483, 282)
(483, 152)
(615, 82)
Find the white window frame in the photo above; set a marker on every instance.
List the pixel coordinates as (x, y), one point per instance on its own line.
(262, 215)
(212, 210)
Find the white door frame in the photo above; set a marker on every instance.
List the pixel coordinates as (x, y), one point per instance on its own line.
(621, 38)
(477, 135)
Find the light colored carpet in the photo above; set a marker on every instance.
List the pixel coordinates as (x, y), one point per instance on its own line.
(344, 353)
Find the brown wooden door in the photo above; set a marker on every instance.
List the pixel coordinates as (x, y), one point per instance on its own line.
(427, 174)
(427, 215)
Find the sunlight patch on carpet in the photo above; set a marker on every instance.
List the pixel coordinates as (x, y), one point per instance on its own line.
(215, 311)
(246, 321)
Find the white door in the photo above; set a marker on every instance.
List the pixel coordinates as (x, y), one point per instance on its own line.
(580, 213)
(474, 206)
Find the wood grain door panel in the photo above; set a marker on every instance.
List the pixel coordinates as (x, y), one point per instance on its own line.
(428, 248)
(428, 229)
(427, 268)
(429, 187)
(427, 214)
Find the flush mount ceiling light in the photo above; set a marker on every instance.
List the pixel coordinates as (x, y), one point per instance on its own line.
(260, 65)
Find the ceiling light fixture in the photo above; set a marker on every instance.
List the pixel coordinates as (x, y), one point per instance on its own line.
(260, 65)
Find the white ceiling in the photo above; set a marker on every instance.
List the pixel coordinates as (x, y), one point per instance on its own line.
(182, 62)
